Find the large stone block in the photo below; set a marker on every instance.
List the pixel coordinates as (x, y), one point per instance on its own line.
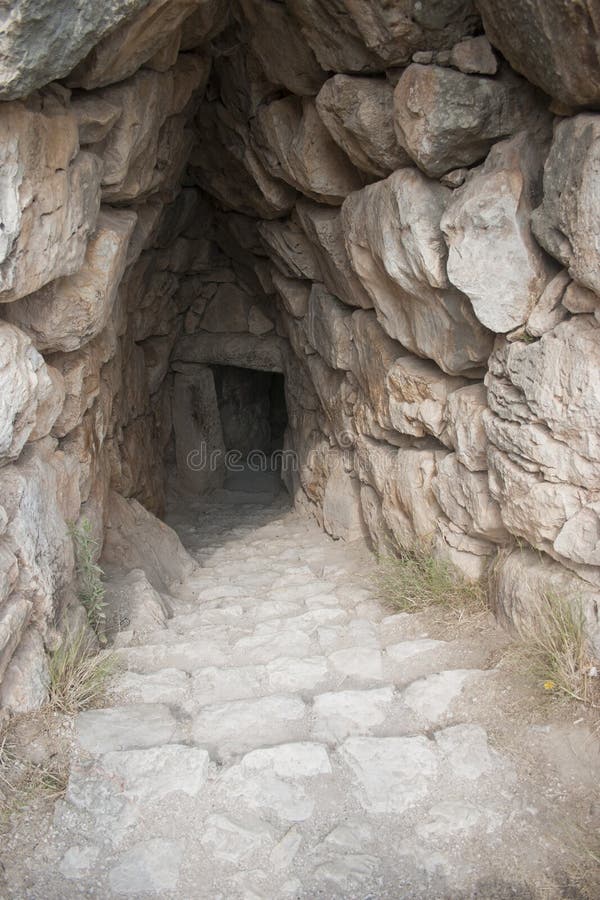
(70, 311)
(374, 355)
(329, 328)
(284, 55)
(43, 40)
(359, 115)
(122, 52)
(525, 577)
(50, 194)
(554, 45)
(31, 393)
(465, 498)
(353, 36)
(418, 393)
(323, 226)
(397, 250)
(445, 119)
(296, 147)
(135, 539)
(139, 148)
(568, 221)
(487, 229)
(225, 163)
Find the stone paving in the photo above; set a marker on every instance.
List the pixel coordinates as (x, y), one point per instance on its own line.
(284, 736)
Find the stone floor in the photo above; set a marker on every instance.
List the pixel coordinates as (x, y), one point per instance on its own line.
(287, 737)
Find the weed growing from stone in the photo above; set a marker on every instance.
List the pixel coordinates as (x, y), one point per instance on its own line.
(89, 576)
(556, 649)
(78, 674)
(417, 580)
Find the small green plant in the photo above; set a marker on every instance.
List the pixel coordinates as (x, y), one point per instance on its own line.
(416, 580)
(78, 674)
(89, 576)
(556, 647)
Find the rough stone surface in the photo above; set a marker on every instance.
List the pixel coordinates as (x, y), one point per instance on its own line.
(553, 46)
(405, 275)
(297, 148)
(445, 119)
(358, 113)
(43, 41)
(566, 223)
(487, 226)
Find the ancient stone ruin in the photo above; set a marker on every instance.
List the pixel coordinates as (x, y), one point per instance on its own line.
(361, 233)
(394, 206)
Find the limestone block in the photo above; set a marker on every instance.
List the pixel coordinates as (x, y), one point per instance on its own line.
(265, 353)
(294, 294)
(323, 227)
(122, 52)
(24, 686)
(70, 311)
(135, 539)
(329, 328)
(523, 578)
(44, 41)
(554, 46)
(568, 220)
(445, 119)
(290, 249)
(358, 113)
(95, 117)
(296, 147)
(374, 355)
(487, 228)
(31, 393)
(226, 165)
(464, 430)
(409, 504)
(396, 248)
(465, 498)
(132, 150)
(550, 309)
(50, 195)
(81, 372)
(342, 515)
(418, 394)
(351, 36)
(474, 56)
(41, 494)
(284, 55)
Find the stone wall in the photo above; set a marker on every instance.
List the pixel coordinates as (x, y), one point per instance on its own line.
(395, 205)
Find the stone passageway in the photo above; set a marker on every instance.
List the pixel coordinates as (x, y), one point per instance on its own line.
(283, 735)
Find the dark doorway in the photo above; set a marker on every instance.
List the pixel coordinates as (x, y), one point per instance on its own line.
(252, 409)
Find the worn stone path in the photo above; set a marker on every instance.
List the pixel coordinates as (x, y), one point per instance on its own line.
(284, 736)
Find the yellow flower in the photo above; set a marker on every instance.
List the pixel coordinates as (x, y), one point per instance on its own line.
(549, 685)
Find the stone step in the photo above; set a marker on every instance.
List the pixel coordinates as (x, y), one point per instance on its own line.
(238, 726)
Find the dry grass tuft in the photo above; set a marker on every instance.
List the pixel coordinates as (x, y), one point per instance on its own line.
(23, 781)
(417, 580)
(555, 649)
(78, 674)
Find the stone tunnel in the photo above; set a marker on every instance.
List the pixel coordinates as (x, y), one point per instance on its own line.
(363, 233)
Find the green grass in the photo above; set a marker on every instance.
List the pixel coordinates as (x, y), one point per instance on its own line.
(91, 590)
(417, 580)
(556, 648)
(78, 674)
